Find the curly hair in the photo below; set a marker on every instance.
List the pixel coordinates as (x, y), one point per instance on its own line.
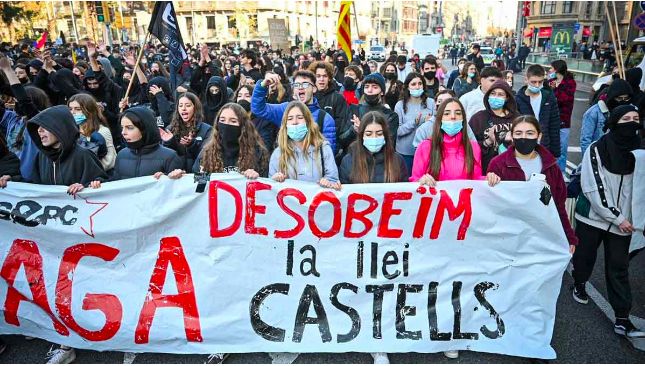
(178, 127)
(253, 154)
(314, 138)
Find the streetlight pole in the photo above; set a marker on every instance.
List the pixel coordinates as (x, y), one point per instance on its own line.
(71, 5)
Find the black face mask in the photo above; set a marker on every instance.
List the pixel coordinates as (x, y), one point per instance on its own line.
(349, 84)
(373, 99)
(390, 75)
(24, 80)
(626, 134)
(245, 104)
(429, 74)
(230, 136)
(614, 103)
(340, 64)
(525, 146)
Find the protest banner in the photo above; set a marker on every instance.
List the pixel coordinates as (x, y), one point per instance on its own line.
(258, 266)
(638, 197)
(278, 34)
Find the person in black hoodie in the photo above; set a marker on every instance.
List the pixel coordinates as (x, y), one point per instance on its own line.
(144, 154)
(9, 165)
(60, 160)
(215, 96)
(372, 157)
(161, 100)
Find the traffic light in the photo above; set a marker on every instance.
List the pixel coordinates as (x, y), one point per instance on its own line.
(102, 14)
(526, 8)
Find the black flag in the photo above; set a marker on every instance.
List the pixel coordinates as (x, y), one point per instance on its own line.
(163, 25)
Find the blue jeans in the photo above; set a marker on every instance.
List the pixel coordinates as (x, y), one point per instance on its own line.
(564, 145)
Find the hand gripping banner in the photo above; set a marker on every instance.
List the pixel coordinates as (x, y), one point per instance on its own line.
(258, 266)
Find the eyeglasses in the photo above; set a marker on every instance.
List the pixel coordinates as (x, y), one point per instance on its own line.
(303, 85)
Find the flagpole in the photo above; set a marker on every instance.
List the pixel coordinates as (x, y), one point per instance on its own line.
(136, 65)
(618, 47)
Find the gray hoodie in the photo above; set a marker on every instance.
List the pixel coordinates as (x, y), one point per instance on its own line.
(309, 168)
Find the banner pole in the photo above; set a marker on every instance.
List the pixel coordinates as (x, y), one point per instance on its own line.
(613, 38)
(136, 66)
(619, 50)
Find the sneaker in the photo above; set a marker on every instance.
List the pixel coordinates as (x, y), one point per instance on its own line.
(217, 358)
(61, 355)
(380, 358)
(451, 354)
(580, 293)
(625, 328)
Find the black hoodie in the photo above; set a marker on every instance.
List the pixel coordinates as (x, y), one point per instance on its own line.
(161, 103)
(66, 83)
(10, 165)
(109, 95)
(213, 103)
(151, 157)
(69, 163)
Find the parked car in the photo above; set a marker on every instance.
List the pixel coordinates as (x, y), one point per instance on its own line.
(376, 53)
(488, 55)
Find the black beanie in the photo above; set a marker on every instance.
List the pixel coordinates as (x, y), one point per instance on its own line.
(616, 114)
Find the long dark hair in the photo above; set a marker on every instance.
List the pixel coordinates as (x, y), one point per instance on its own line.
(361, 170)
(405, 96)
(560, 66)
(178, 127)
(436, 151)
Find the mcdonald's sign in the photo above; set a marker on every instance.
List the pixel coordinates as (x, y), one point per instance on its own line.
(562, 37)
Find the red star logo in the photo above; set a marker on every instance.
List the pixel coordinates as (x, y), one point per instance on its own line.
(102, 204)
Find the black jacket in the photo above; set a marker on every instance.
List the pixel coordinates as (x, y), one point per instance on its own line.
(68, 164)
(335, 105)
(161, 103)
(477, 60)
(188, 154)
(376, 165)
(213, 103)
(108, 94)
(200, 76)
(267, 130)
(549, 117)
(347, 136)
(10, 165)
(151, 158)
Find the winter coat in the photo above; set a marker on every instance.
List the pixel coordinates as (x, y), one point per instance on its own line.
(461, 86)
(10, 165)
(213, 103)
(151, 158)
(316, 165)
(70, 163)
(108, 94)
(507, 168)
(608, 196)
(409, 122)
(376, 165)
(564, 94)
(332, 102)
(349, 135)
(161, 103)
(549, 117)
(188, 154)
(201, 75)
(268, 131)
(452, 165)
(593, 121)
(274, 112)
(12, 127)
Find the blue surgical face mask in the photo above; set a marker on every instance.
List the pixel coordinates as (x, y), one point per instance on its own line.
(297, 132)
(452, 127)
(496, 103)
(552, 75)
(416, 92)
(374, 144)
(79, 119)
(471, 75)
(534, 89)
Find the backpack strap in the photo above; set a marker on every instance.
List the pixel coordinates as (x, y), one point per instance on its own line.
(322, 161)
(320, 120)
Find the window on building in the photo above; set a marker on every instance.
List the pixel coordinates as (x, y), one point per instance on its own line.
(253, 23)
(548, 7)
(232, 22)
(588, 9)
(567, 7)
(600, 10)
(210, 22)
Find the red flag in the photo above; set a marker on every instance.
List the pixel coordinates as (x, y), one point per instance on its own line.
(41, 42)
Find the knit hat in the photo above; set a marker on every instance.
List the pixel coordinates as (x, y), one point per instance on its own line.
(375, 78)
(36, 63)
(618, 113)
(617, 88)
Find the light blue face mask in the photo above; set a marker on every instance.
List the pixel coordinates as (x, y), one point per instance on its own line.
(416, 92)
(534, 89)
(452, 128)
(79, 119)
(471, 75)
(496, 103)
(552, 75)
(374, 144)
(297, 132)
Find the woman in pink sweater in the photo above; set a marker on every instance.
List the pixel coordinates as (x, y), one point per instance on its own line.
(449, 154)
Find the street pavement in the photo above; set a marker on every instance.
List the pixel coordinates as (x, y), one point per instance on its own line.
(582, 334)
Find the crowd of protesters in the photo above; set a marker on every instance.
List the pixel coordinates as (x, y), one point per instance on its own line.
(318, 117)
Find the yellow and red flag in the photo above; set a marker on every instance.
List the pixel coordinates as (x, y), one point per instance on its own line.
(41, 42)
(343, 31)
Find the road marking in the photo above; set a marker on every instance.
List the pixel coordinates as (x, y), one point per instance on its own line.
(571, 165)
(581, 99)
(574, 149)
(128, 357)
(604, 305)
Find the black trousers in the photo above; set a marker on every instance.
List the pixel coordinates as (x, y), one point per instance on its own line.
(616, 264)
(454, 60)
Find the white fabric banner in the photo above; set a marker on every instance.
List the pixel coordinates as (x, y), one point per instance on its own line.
(258, 266)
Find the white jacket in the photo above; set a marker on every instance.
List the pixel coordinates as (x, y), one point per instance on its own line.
(473, 102)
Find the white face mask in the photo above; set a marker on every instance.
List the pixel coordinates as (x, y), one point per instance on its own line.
(461, 67)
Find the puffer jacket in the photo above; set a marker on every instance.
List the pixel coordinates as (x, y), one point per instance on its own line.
(452, 165)
(593, 121)
(68, 164)
(375, 164)
(319, 163)
(149, 159)
(274, 112)
(549, 117)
